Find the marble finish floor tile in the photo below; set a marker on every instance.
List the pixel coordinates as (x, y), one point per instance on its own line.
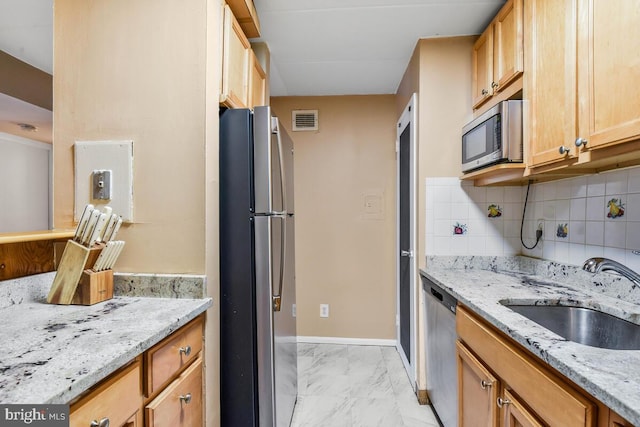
(355, 386)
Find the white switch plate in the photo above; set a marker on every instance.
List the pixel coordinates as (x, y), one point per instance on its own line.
(116, 156)
(324, 310)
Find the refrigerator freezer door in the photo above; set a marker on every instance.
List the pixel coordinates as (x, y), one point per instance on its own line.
(269, 172)
(287, 158)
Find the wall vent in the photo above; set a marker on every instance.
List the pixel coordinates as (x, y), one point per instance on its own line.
(304, 120)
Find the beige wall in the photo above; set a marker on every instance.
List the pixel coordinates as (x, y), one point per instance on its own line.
(440, 72)
(344, 258)
(148, 71)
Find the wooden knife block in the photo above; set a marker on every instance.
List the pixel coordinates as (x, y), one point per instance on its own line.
(75, 282)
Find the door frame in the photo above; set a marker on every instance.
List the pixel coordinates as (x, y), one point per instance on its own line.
(408, 116)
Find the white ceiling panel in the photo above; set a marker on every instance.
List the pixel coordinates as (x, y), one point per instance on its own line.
(355, 46)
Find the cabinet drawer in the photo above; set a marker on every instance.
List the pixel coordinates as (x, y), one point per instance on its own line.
(552, 399)
(169, 357)
(117, 398)
(180, 404)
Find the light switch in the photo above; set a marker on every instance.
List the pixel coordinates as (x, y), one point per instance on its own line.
(101, 185)
(104, 176)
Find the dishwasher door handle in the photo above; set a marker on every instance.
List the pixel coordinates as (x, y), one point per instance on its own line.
(436, 294)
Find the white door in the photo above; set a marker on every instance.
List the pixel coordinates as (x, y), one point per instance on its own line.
(406, 149)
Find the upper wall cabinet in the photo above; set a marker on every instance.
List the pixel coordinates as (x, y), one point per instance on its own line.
(257, 82)
(245, 13)
(594, 47)
(498, 54)
(551, 80)
(236, 51)
(609, 73)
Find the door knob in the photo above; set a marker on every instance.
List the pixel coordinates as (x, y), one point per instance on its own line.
(581, 141)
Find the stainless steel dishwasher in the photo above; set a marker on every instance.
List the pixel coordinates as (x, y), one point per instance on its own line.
(442, 383)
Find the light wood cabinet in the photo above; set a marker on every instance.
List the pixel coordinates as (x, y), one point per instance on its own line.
(116, 402)
(541, 394)
(257, 83)
(497, 56)
(551, 81)
(167, 358)
(171, 372)
(515, 413)
(477, 391)
(608, 73)
(581, 82)
(180, 404)
(235, 63)
(245, 13)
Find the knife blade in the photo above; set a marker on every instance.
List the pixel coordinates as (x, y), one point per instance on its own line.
(82, 223)
(97, 229)
(91, 224)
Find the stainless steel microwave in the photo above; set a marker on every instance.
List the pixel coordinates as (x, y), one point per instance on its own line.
(493, 137)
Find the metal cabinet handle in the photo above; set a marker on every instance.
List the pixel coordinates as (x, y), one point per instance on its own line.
(484, 92)
(102, 423)
(186, 350)
(406, 253)
(485, 384)
(564, 150)
(502, 402)
(581, 141)
(186, 398)
(494, 85)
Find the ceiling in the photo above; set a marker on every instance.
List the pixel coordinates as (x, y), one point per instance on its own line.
(339, 47)
(318, 47)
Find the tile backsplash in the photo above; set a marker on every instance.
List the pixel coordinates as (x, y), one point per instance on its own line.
(465, 220)
(582, 217)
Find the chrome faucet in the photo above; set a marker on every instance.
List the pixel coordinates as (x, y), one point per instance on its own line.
(596, 265)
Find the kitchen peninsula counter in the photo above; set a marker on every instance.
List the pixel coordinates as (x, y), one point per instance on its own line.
(54, 353)
(482, 283)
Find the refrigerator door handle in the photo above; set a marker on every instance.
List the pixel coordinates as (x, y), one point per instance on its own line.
(276, 130)
(277, 298)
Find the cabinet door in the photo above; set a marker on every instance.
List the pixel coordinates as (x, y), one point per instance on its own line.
(180, 404)
(235, 63)
(477, 391)
(610, 72)
(551, 80)
(515, 414)
(257, 83)
(482, 67)
(508, 56)
(116, 401)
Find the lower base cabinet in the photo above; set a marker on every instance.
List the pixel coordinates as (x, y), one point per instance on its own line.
(116, 402)
(502, 385)
(171, 373)
(180, 404)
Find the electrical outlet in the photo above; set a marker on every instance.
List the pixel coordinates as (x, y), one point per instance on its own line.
(540, 225)
(293, 310)
(324, 310)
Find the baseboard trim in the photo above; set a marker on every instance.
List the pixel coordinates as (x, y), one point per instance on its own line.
(347, 341)
(423, 397)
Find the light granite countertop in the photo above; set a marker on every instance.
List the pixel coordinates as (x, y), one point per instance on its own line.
(54, 353)
(481, 283)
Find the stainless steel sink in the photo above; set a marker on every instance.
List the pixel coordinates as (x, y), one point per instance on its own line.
(583, 325)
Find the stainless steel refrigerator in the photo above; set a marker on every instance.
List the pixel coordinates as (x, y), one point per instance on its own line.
(258, 352)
